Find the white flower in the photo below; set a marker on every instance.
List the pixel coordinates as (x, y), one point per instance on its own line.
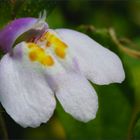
(52, 64)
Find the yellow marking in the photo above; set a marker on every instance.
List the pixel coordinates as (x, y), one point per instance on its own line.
(41, 56)
(60, 52)
(48, 60)
(32, 55)
(48, 44)
(32, 45)
(38, 54)
(47, 34)
(39, 49)
(59, 46)
(51, 38)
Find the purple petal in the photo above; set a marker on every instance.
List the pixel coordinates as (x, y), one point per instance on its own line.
(13, 30)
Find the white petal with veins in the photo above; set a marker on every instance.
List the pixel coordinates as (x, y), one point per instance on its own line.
(77, 96)
(24, 92)
(97, 63)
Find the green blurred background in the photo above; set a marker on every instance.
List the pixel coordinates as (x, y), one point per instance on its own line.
(114, 24)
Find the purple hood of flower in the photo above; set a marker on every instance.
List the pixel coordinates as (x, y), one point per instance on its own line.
(13, 30)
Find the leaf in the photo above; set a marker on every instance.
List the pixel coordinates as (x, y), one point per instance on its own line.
(32, 8)
(11, 9)
(5, 12)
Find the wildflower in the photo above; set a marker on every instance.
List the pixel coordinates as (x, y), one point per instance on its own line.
(52, 63)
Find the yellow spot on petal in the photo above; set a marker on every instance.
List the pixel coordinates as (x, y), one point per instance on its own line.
(47, 60)
(61, 44)
(32, 45)
(33, 55)
(60, 52)
(38, 54)
(58, 45)
(47, 34)
(48, 44)
(51, 38)
(40, 50)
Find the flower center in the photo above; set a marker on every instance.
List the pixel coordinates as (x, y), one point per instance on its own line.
(36, 53)
(39, 54)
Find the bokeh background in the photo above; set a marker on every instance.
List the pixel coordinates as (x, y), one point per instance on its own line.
(114, 24)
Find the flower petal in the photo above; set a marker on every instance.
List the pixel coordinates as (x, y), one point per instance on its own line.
(24, 92)
(77, 96)
(97, 63)
(13, 30)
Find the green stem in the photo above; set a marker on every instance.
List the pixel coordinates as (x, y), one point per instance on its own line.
(129, 51)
